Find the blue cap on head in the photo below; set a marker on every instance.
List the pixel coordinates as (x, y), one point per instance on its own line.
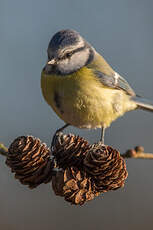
(64, 38)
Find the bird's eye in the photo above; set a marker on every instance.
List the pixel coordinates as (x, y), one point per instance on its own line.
(67, 55)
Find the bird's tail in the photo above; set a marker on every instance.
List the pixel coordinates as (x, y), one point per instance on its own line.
(143, 104)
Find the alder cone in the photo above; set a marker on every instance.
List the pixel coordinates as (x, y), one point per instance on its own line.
(106, 166)
(75, 185)
(70, 150)
(30, 160)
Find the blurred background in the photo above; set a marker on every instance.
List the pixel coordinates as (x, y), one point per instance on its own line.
(122, 31)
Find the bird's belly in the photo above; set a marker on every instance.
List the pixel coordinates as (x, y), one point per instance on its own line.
(85, 110)
(92, 106)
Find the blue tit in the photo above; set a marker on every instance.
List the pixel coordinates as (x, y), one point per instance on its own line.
(82, 88)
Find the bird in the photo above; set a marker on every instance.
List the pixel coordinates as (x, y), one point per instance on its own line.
(82, 88)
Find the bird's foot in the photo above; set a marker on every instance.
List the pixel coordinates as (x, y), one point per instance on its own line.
(57, 133)
(54, 139)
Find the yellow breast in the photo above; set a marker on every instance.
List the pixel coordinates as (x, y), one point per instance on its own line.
(82, 101)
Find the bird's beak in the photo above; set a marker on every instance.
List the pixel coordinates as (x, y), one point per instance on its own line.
(49, 66)
(51, 62)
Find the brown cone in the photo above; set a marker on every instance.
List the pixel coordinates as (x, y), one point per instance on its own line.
(106, 166)
(30, 160)
(75, 185)
(70, 150)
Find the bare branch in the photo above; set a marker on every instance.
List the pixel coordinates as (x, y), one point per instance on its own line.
(3, 150)
(137, 152)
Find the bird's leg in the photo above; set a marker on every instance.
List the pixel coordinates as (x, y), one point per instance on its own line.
(102, 135)
(56, 133)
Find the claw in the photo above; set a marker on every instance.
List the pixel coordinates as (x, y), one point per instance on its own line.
(57, 133)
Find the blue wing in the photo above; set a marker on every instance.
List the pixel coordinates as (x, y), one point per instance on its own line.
(107, 76)
(115, 81)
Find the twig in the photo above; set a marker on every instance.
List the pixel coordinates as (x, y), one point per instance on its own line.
(3, 150)
(137, 152)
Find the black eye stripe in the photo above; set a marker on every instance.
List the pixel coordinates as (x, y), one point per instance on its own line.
(90, 57)
(69, 54)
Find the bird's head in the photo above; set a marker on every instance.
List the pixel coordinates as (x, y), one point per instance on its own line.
(67, 53)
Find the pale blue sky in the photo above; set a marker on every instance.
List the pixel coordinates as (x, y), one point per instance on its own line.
(123, 32)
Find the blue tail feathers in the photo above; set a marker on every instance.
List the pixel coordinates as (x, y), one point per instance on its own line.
(143, 103)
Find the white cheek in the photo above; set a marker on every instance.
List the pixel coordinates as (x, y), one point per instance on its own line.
(63, 63)
(76, 61)
(79, 58)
